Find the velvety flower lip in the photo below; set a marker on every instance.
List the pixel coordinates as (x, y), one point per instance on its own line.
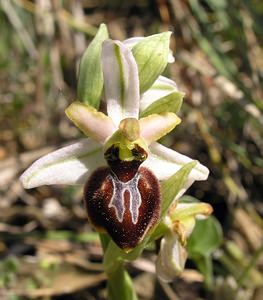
(73, 164)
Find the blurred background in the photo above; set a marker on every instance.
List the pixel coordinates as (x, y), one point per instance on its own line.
(47, 249)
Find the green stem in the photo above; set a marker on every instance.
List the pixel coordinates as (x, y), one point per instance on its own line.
(104, 239)
(120, 284)
(209, 278)
(205, 266)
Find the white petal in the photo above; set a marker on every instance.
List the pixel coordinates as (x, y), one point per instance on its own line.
(121, 81)
(134, 40)
(171, 259)
(69, 165)
(161, 88)
(165, 162)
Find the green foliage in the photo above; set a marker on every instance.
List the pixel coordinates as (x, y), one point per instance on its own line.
(151, 56)
(8, 270)
(90, 79)
(171, 186)
(205, 238)
(169, 103)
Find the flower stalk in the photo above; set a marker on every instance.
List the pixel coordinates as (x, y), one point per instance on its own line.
(120, 284)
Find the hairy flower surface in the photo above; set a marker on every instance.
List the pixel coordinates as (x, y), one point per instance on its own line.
(121, 162)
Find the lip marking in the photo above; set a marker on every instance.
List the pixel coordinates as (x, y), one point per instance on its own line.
(117, 199)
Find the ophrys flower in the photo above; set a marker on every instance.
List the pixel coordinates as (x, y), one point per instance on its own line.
(121, 162)
(180, 221)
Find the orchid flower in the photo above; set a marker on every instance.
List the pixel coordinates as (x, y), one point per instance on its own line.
(120, 162)
(180, 220)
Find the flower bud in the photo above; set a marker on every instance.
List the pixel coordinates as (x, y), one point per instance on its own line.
(171, 259)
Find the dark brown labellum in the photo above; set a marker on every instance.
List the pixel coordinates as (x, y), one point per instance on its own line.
(124, 202)
(125, 170)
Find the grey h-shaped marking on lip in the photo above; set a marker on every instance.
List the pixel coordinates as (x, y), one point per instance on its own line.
(117, 199)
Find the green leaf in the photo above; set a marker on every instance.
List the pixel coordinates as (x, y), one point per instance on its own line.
(169, 103)
(205, 238)
(151, 55)
(171, 187)
(90, 78)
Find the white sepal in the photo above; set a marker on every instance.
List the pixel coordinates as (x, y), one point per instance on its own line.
(162, 87)
(121, 81)
(69, 165)
(165, 162)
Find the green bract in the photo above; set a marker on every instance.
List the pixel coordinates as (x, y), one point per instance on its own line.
(90, 78)
(172, 186)
(172, 102)
(151, 55)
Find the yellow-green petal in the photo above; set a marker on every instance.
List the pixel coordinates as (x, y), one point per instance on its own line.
(155, 126)
(91, 122)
